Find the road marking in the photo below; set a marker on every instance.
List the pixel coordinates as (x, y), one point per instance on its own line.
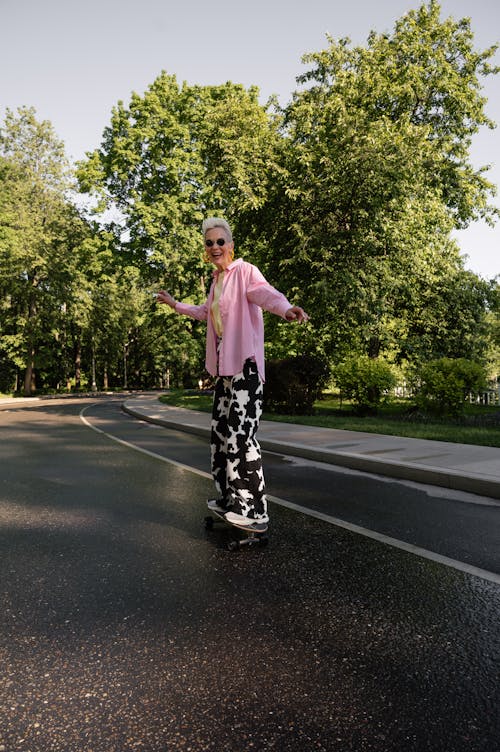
(140, 449)
(387, 540)
(366, 532)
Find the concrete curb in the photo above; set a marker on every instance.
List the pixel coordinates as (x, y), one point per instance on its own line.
(433, 476)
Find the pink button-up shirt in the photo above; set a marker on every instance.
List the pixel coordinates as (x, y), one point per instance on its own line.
(245, 292)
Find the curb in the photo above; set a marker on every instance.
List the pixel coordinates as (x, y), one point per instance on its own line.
(432, 476)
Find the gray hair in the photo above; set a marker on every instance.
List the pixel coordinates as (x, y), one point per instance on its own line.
(211, 222)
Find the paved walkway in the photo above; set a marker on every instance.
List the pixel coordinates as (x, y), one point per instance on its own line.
(463, 467)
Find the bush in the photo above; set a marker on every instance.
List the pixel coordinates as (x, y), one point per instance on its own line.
(294, 384)
(366, 381)
(445, 384)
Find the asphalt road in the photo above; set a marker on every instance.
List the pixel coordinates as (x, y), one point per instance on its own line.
(126, 626)
(462, 527)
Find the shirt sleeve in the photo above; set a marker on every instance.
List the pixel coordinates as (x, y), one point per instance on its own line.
(261, 293)
(199, 312)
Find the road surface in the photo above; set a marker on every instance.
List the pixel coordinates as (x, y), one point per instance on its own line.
(126, 626)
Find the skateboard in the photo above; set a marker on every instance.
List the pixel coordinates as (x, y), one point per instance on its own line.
(255, 536)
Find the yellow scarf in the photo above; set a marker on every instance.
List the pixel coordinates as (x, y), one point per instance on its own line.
(216, 317)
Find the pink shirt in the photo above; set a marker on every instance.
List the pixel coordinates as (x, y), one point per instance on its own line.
(245, 292)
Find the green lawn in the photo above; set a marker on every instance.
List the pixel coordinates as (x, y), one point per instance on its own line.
(392, 420)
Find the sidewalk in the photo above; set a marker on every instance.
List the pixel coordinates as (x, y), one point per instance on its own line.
(462, 467)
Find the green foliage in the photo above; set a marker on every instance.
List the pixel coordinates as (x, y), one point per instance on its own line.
(346, 199)
(174, 155)
(34, 147)
(444, 385)
(445, 314)
(367, 381)
(294, 384)
(493, 332)
(374, 174)
(40, 237)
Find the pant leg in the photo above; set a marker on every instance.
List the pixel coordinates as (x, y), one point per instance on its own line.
(218, 435)
(244, 474)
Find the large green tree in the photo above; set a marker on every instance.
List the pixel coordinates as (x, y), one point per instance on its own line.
(347, 198)
(375, 175)
(168, 159)
(42, 253)
(172, 156)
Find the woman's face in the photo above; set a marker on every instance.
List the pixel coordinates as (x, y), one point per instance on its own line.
(218, 247)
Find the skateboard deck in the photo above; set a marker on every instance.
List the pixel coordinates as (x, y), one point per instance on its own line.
(255, 535)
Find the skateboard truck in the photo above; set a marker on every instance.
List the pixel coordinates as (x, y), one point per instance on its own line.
(253, 537)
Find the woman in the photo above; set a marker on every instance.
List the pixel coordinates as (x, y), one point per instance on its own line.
(235, 355)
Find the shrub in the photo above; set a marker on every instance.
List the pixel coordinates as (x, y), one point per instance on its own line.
(367, 381)
(294, 384)
(445, 384)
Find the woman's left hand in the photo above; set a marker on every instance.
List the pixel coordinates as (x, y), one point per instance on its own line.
(295, 313)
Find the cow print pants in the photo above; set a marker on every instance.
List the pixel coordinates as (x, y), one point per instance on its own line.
(235, 453)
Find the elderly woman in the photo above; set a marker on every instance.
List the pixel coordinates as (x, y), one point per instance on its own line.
(235, 355)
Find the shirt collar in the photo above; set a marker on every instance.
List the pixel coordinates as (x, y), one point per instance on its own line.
(231, 266)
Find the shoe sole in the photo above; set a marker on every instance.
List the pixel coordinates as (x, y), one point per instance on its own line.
(255, 528)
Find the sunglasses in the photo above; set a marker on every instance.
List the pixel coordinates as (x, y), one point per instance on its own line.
(219, 241)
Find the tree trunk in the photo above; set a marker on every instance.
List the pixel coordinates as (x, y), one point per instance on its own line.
(29, 374)
(78, 364)
(374, 346)
(94, 383)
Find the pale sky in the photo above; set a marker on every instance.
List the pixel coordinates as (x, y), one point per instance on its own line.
(74, 59)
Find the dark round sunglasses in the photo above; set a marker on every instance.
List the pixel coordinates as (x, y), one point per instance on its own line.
(219, 241)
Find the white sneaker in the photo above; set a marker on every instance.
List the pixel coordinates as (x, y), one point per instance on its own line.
(216, 505)
(247, 522)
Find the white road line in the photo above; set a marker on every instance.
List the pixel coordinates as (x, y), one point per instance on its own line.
(139, 449)
(366, 532)
(387, 540)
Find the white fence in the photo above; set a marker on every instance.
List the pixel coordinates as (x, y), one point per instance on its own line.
(490, 397)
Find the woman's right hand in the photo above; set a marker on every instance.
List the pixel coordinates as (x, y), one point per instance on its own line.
(164, 297)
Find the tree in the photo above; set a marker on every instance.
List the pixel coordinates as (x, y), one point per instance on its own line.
(13, 193)
(167, 160)
(493, 327)
(171, 157)
(375, 174)
(33, 184)
(346, 198)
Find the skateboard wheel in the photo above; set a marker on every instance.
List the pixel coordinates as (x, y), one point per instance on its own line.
(233, 546)
(209, 523)
(264, 541)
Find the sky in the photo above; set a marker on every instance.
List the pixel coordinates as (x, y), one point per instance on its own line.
(73, 60)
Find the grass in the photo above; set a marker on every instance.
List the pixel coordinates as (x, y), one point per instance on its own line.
(480, 424)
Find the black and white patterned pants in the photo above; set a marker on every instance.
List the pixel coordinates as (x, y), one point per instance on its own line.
(235, 452)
